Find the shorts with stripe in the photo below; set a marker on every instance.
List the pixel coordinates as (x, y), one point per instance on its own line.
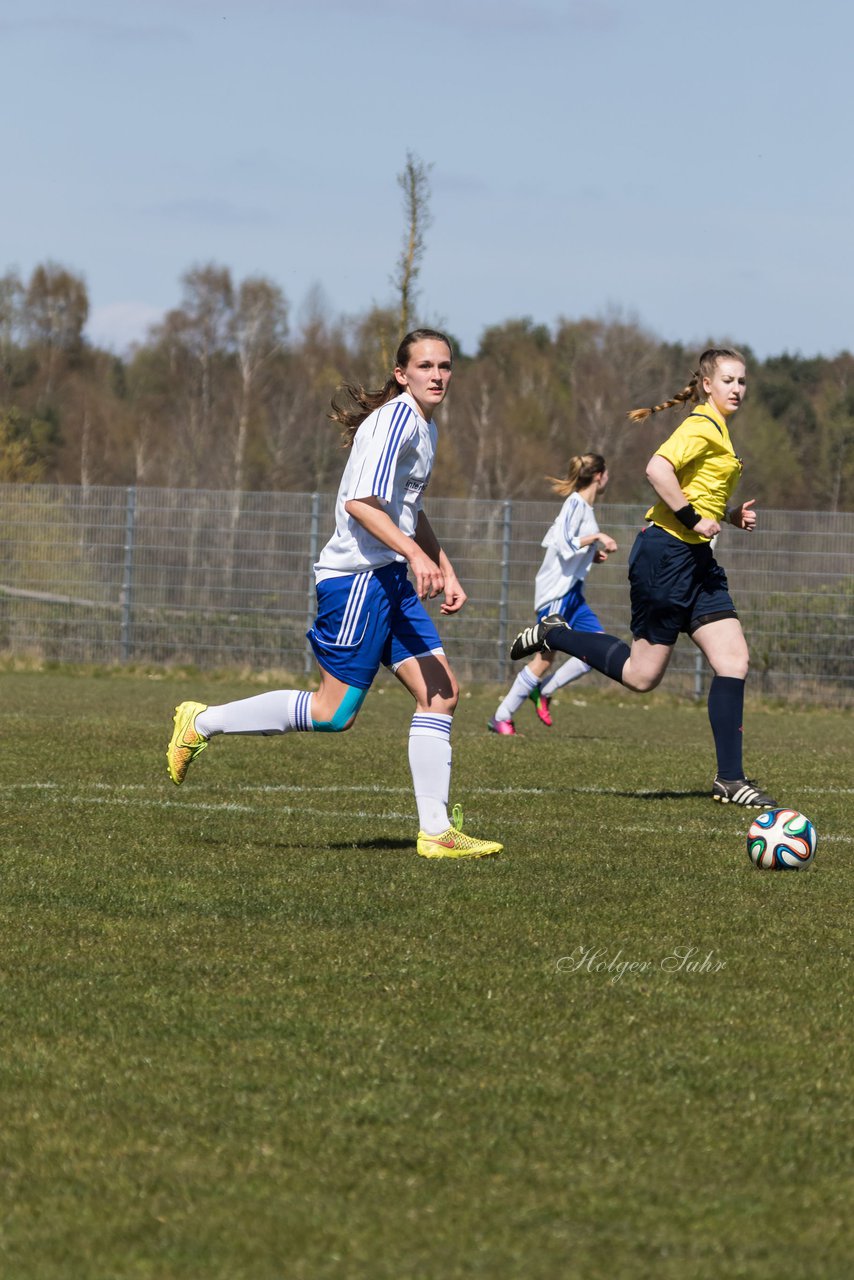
(676, 587)
(367, 620)
(574, 608)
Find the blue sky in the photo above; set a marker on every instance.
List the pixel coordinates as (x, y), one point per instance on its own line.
(685, 165)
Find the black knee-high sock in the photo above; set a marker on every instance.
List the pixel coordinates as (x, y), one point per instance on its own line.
(726, 712)
(604, 653)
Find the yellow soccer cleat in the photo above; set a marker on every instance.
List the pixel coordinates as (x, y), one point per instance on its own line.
(453, 844)
(186, 743)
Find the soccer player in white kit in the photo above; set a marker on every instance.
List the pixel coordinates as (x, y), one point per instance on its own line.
(572, 544)
(368, 612)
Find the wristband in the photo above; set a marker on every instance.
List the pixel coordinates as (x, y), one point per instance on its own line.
(688, 516)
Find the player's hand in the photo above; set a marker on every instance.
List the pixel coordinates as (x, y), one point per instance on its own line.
(707, 528)
(455, 597)
(606, 543)
(428, 577)
(744, 517)
(600, 556)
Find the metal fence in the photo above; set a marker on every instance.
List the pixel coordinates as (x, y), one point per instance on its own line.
(213, 579)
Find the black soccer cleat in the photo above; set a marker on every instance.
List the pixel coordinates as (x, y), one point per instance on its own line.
(740, 791)
(533, 639)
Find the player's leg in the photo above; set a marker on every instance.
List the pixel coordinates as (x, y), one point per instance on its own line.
(526, 685)
(416, 657)
(582, 618)
(433, 686)
(567, 673)
(661, 576)
(721, 641)
(430, 681)
(530, 680)
(347, 607)
(717, 633)
(639, 667)
(331, 709)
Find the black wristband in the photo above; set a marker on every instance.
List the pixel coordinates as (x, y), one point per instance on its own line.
(688, 516)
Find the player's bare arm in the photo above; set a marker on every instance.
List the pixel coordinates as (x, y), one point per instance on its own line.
(426, 573)
(661, 474)
(455, 597)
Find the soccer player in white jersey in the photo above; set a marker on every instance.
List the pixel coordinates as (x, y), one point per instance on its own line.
(368, 612)
(572, 544)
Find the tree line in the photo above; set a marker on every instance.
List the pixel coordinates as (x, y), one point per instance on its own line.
(228, 392)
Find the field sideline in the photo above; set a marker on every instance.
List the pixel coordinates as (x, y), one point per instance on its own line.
(247, 1032)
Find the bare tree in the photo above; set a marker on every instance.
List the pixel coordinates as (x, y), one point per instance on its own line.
(207, 305)
(414, 182)
(835, 451)
(11, 295)
(260, 329)
(197, 373)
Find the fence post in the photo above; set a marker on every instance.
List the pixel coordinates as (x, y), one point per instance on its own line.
(127, 575)
(314, 551)
(504, 597)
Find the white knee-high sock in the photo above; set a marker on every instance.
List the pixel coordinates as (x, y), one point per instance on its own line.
(521, 687)
(572, 669)
(266, 713)
(430, 762)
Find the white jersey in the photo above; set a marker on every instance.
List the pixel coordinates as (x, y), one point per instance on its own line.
(391, 459)
(566, 562)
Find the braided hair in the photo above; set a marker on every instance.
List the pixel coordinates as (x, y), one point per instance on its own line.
(691, 394)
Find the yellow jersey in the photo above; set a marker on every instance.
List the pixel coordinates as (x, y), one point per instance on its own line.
(706, 466)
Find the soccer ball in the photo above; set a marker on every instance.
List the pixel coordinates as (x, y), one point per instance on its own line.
(781, 840)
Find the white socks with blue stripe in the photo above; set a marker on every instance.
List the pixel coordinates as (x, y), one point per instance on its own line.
(572, 669)
(266, 713)
(520, 689)
(430, 762)
(286, 710)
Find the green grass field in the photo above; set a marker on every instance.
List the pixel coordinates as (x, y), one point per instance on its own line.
(248, 1033)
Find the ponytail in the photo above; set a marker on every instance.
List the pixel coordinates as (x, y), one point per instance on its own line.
(583, 470)
(365, 402)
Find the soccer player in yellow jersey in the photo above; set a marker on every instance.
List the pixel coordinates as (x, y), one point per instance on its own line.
(676, 584)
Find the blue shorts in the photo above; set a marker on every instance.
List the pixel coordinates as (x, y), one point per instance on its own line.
(574, 608)
(367, 620)
(675, 587)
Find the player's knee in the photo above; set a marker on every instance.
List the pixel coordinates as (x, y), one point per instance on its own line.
(734, 665)
(644, 682)
(337, 724)
(342, 717)
(451, 701)
(442, 698)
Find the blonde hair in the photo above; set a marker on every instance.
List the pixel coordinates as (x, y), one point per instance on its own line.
(691, 394)
(367, 401)
(583, 470)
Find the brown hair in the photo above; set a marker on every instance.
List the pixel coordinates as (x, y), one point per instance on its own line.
(367, 401)
(583, 470)
(709, 361)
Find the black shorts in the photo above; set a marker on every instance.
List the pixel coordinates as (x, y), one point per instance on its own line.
(675, 587)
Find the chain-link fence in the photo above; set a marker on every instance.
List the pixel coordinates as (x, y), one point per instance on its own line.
(111, 575)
